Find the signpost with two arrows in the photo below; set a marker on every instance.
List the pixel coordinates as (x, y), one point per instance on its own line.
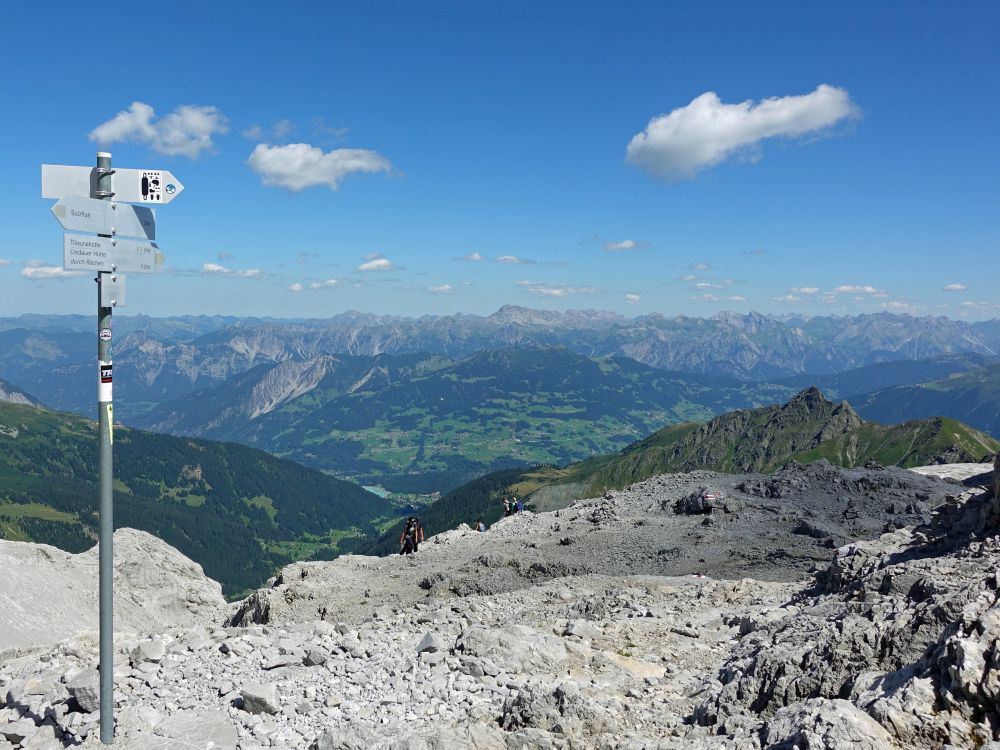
(111, 236)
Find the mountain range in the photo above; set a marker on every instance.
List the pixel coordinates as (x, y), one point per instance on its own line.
(426, 404)
(164, 358)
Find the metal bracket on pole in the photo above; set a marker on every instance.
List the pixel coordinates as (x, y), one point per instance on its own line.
(100, 181)
(112, 289)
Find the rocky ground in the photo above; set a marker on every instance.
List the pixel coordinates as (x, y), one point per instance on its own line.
(586, 628)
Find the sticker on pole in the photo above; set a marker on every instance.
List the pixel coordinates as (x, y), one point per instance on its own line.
(105, 334)
(106, 372)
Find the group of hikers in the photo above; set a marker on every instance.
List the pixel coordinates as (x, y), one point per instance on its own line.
(512, 505)
(413, 530)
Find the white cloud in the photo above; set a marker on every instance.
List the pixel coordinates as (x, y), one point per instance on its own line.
(699, 267)
(788, 298)
(216, 269)
(474, 257)
(187, 131)
(955, 288)
(253, 133)
(37, 270)
(632, 299)
(705, 285)
(375, 263)
(688, 277)
(613, 247)
(325, 284)
(859, 289)
(897, 306)
(708, 297)
(809, 290)
(298, 166)
(5, 262)
(514, 260)
(441, 289)
(555, 290)
(296, 287)
(677, 145)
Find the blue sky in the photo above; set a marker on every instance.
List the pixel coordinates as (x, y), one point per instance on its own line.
(637, 157)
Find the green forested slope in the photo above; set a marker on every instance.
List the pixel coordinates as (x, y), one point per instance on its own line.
(237, 511)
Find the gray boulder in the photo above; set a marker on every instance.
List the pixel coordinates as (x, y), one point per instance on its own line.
(260, 699)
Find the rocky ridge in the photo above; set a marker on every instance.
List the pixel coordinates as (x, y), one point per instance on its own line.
(501, 641)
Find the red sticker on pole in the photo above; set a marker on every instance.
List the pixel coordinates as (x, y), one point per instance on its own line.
(106, 371)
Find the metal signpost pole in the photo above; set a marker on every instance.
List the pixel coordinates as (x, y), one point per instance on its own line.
(119, 239)
(105, 424)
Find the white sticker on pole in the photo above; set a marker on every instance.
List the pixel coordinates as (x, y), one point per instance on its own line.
(105, 382)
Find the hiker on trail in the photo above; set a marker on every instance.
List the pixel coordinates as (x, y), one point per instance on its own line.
(409, 540)
(520, 505)
(480, 526)
(506, 506)
(419, 534)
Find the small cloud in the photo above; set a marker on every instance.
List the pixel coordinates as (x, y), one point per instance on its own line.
(473, 257)
(706, 132)
(632, 299)
(514, 260)
(187, 131)
(372, 256)
(859, 289)
(325, 284)
(896, 305)
(788, 298)
(442, 289)
(755, 251)
(954, 288)
(298, 166)
(302, 258)
(375, 263)
(216, 269)
(555, 290)
(281, 128)
(617, 247)
(706, 285)
(296, 287)
(5, 262)
(808, 290)
(687, 277)
(278, 131)
(699, 267)
(37, 270)
(708, 297)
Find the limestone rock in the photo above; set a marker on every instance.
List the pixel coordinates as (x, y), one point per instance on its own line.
(260, 699)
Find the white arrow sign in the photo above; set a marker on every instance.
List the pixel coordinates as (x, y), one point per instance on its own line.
(105, 217)
(83, 252)
(150, 186)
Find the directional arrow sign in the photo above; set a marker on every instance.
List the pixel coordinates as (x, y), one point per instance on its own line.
(83, 252)
(105, 217)
(150, 186)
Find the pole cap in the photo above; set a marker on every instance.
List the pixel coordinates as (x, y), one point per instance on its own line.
(106, 154)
